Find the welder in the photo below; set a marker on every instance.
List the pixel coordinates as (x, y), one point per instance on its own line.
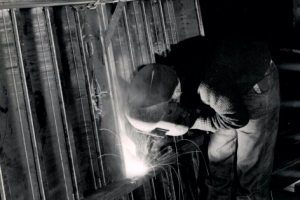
(228, 87)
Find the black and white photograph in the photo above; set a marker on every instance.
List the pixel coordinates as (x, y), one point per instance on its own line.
(149, 100)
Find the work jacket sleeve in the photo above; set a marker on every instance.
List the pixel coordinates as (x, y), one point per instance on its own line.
(223, 107)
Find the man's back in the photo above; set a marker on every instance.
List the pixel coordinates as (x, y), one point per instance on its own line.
(229, 60)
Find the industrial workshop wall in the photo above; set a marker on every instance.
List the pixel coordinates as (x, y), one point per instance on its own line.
(64, 67)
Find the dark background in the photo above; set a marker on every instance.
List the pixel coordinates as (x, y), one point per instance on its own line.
(270, 20)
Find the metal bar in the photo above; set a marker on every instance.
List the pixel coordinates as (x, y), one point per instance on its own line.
(131, 49)
(140, 33)
(172, 21)
(199, 17)
(148, 33)
(81, 99)
(107, 61)
(113, 23)
(195, 158)
(110, 68)
(161, 46)
(126, 71)
(52, 102)
(163, 183)
(61, 102)
(168, 20)
(172, 183)
(27, 102)
(18, 108)
(147, 190)
(89, 94)
(155, 27)
(49, 3)
(2, 187)
(153, 189)
(124, 198)
(131, 196)
(176, 141)
(162, 16)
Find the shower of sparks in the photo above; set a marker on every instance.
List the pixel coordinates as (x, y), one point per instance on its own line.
(139, 161)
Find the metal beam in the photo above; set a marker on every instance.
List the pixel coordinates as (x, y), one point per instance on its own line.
(199, 18)
(148, 32)
(172, 18)
(51, 3)
(78, 72)
(113, 23)
(110, 69)
(163, 23)
(27, 103)
(61, 103)
(129, 37)
(90, 99)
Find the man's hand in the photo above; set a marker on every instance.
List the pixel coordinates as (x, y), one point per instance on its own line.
(188, 120)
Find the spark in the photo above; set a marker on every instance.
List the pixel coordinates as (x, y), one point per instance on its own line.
(136, 168)
(161, 166)
(199, 151)
(105, 129)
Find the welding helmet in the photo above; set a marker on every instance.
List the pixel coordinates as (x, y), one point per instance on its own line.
(149, 106)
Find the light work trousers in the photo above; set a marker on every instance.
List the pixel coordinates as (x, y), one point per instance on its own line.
(241, 160)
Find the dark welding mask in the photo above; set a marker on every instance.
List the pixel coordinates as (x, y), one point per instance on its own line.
(150, 108)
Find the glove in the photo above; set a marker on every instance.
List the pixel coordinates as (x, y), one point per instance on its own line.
(181, 118)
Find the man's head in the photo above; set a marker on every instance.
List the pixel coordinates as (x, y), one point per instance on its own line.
(153, 84)
(152, 102)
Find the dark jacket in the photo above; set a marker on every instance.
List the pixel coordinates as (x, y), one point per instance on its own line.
(220, 71)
